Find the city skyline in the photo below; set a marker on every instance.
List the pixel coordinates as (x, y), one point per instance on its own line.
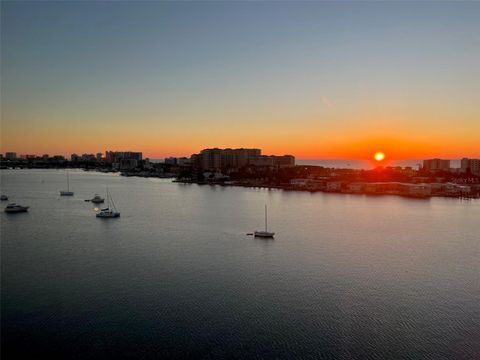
(378, 158)
(317, 80)
(259, 159)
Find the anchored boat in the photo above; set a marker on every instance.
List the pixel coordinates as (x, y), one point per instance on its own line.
(67, 192)
(266, 233)
(97, 199)
(14, 208)
(110, 211)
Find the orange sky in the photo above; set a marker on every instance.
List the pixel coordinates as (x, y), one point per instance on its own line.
(303, 145)
(317, 80)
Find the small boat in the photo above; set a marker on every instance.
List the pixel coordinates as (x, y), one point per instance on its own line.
(14, 208)
(110, 211)
(107, 213)
(266, 233)
(3, 197)
(67, 192)
(97, 199)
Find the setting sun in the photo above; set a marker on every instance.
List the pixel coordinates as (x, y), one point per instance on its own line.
(379, 156)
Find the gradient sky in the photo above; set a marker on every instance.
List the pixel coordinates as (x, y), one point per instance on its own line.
(313, 79)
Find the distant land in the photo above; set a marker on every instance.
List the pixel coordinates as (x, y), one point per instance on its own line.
(249, 167)
(353, 164)
(366, 164)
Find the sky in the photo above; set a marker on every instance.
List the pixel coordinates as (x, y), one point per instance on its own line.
(319, 80)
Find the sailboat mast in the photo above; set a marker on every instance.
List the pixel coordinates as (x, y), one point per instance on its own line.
(265, 217)
(68, 182)
(113, 204)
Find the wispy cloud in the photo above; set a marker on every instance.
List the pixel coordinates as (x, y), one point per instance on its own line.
(326, 101)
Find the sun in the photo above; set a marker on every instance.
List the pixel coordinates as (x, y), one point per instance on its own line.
(379, 156)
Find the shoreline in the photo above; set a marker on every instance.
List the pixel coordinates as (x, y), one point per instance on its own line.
(291, 188)
(284, 187)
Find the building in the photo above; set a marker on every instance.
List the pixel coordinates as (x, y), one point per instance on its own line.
(10, 155)
(117, 156)
(215, 159)
(284, 160)
(300, 183)
(183, 161)
(127, 164)
(88, 158)
(420, 190)
(171, 161)
(475, 166)
(470, 165)
(243, 156)
(147, 165)
(28, 157)
(211, 159)
(123, 160)
(273, 160)
(58, 158)
(261, 161)
(334, 186)
(355, 187)
(222, 159)
(464, 165)
(436, 165)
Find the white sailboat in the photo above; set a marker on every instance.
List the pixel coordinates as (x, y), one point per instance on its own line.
(266, 233)
(67, 192)
(110, 211)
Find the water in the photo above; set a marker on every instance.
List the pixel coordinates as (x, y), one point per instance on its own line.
(347, 276)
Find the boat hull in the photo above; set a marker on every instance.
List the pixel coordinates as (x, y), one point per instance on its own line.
(66, 193)
(108, 215)
(264, 234)
(17, 210)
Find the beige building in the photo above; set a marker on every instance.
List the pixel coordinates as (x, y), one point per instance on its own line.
(226, 158)
(218, 159)
(436, 165)
(261, 161)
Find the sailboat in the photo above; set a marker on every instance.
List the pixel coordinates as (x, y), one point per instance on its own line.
(266, 233)
(14, 208)
(68, 192)
(110, 211)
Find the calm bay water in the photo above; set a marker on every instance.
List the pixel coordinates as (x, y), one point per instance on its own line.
(347, 276)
